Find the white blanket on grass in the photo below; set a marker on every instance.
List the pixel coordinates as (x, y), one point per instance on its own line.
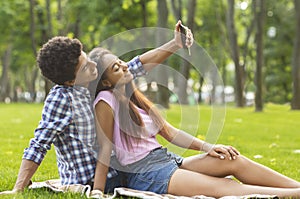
(56, 186)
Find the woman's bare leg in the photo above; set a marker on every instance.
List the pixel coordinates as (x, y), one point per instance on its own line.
(190, 183)
(244, 169)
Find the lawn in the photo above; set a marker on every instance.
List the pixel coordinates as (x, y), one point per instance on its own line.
(271, 138)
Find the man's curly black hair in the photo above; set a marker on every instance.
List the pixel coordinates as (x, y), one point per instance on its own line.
(58, 59)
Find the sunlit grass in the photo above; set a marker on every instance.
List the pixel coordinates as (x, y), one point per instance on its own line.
(271, 138)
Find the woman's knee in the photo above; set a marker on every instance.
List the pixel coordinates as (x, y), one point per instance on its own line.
(239, 163)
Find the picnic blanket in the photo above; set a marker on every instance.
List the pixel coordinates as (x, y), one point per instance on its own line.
(55, 185)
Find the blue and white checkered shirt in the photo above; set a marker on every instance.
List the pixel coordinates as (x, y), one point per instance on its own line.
(68, 123)
(136, 68)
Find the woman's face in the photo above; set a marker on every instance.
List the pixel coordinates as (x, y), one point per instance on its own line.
(116, 72)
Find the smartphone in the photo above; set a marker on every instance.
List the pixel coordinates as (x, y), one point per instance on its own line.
(183, 30)
(183, 34)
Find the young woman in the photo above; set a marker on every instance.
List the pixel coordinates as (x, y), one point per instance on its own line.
(127, 126)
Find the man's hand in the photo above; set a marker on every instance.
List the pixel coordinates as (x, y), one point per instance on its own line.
(27, 169)
(11, 192)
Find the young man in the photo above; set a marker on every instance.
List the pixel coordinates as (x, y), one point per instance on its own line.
(67, 117)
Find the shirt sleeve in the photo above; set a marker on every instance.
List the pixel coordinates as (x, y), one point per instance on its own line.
(136, 67)
(56, 116)
(107, 97)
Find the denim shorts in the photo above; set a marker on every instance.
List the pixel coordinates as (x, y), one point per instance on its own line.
(153, 172)
(117, 180)
(116, 177)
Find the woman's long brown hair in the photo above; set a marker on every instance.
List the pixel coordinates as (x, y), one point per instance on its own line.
(131, 123)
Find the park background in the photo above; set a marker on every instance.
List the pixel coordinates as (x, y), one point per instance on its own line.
(254, 44)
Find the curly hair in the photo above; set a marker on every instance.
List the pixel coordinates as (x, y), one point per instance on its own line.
(58, 59)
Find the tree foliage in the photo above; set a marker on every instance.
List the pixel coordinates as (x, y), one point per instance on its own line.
(26, 25)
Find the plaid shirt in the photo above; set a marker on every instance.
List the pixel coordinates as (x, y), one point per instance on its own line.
(135, 66)
(68, 123)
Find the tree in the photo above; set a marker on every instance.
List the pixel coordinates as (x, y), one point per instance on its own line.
(162, 95)
(210, 32)
(260, 18)
(4, 80)
(239, 72)
(226, 34)
(296, 61)
(280, 31)
(15, 47)
(185, 65)
(5, 48)
(184, 71)
(33, 45)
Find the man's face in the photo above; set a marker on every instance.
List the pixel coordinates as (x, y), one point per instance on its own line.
(86, 71)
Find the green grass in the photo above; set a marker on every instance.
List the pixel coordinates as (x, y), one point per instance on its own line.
(273, 134)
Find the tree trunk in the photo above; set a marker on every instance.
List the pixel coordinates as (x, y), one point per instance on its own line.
(144, 16)
(260, 19)
(144, 12)
(296, 61)
(177, 9)
(239, 75)
(59, 17)
(77, 27)
(182, 82)
(182, 95)
(185, 65)
(31, 85)
(32, 27)
(220, 59)
(49, 18)
(201, 82)
(48, 34)
(4, 80)
(162, 95)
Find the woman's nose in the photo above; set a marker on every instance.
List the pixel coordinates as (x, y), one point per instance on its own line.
(124, 66)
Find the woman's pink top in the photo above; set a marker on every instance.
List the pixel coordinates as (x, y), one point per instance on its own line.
(127, 155)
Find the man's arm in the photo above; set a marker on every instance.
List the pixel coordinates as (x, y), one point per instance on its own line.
(27, 169)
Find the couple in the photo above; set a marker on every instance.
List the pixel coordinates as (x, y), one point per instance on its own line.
(127, 123)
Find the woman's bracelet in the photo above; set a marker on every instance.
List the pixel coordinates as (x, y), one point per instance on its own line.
(210, 146)
(202, 147)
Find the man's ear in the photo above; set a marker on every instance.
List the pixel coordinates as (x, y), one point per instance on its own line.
(106, 83)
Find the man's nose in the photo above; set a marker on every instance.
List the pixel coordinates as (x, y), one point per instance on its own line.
(94, 64)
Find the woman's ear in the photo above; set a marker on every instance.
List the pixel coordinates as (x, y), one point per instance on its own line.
(106, 83)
